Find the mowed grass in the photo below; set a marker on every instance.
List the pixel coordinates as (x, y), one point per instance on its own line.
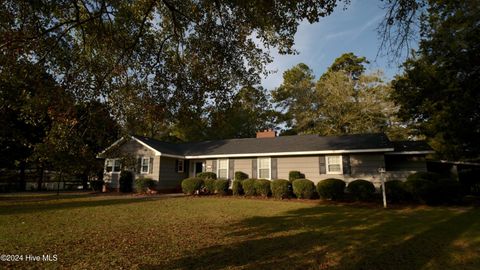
(111, 232)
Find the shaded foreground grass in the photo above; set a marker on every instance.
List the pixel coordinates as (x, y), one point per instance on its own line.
(104, 232)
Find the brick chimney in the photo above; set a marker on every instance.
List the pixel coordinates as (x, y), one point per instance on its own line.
(267, 133)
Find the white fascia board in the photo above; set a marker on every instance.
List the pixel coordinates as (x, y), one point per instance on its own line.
(299, 153)
(171, 156)
(111, 146)
(411, 153)
(157, 153)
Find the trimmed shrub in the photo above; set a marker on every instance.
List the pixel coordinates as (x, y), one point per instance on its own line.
(248, 187)
(443, 191)
(294, 175)
(142, 184)
(303, 188)
(209, 186)
(470, 180)
(237, 188)
(221, 186)
(418, 189)
(126, 181)
(331, 188)
(396, 192)
(240, 176)
(361, 190)
(192, 185)
(207, 175)
(262, 187)
(280, 188)
(97, 185)
(429, 176)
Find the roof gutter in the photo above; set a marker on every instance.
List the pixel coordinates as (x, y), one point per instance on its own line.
(298, 153)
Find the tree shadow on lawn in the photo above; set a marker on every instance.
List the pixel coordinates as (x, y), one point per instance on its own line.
(62, 204)
(326, 237)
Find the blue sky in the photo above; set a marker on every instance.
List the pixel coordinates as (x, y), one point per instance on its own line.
(351, 30)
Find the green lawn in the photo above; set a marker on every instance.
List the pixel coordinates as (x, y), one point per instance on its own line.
(104, 232)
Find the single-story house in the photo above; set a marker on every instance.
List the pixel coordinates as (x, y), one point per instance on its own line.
(268, 156)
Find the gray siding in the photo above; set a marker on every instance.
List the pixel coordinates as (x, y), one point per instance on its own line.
(135, 150)
(169, 177)
(307, 165)
(361, 164)
(243, 165)
(211, 165)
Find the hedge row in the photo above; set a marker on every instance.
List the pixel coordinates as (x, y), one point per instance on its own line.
(197, 185)
(421, 187)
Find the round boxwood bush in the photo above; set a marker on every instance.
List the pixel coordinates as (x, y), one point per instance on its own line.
(142, 184)
(396, 192)
(280, 188)
(331, 188)
(429, 176)
(209, 185)
(248, 186)
(207, 175)
(294, 175)
(361, 190)
(303, 188)
(97, 185)
(221, 186)
(126, 181)
(240, 176)
(192, 185)
(237, 189)
(262, 187)
(419, 189)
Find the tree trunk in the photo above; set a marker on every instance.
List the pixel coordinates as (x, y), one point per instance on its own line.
(22, 182)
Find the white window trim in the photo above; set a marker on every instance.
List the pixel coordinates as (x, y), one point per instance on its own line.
(269, 164)
(148, 165)
(113, 166)
(218, 167)
(341, 164)
(183, 165)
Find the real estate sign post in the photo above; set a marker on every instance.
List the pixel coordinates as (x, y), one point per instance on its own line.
(382, 179)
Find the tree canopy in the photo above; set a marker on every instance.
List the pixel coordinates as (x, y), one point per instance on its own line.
(344, 100)
(438, 91)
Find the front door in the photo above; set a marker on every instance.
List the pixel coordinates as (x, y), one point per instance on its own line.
(198, 167)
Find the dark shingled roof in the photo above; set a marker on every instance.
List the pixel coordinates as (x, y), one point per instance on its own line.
(405, 146)
(268, 145)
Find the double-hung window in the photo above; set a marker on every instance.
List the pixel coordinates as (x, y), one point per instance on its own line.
(112, 165)
(334, 164)
(145, 165)
(264, 168)
(222, 168)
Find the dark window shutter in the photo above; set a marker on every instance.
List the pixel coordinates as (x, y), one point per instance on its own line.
(139, 164)
(176, 165)
(150, 167)
(254, 168)
(231, 168)
(186, 167)
(273, 167)
(321, 163)
(346, 164)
